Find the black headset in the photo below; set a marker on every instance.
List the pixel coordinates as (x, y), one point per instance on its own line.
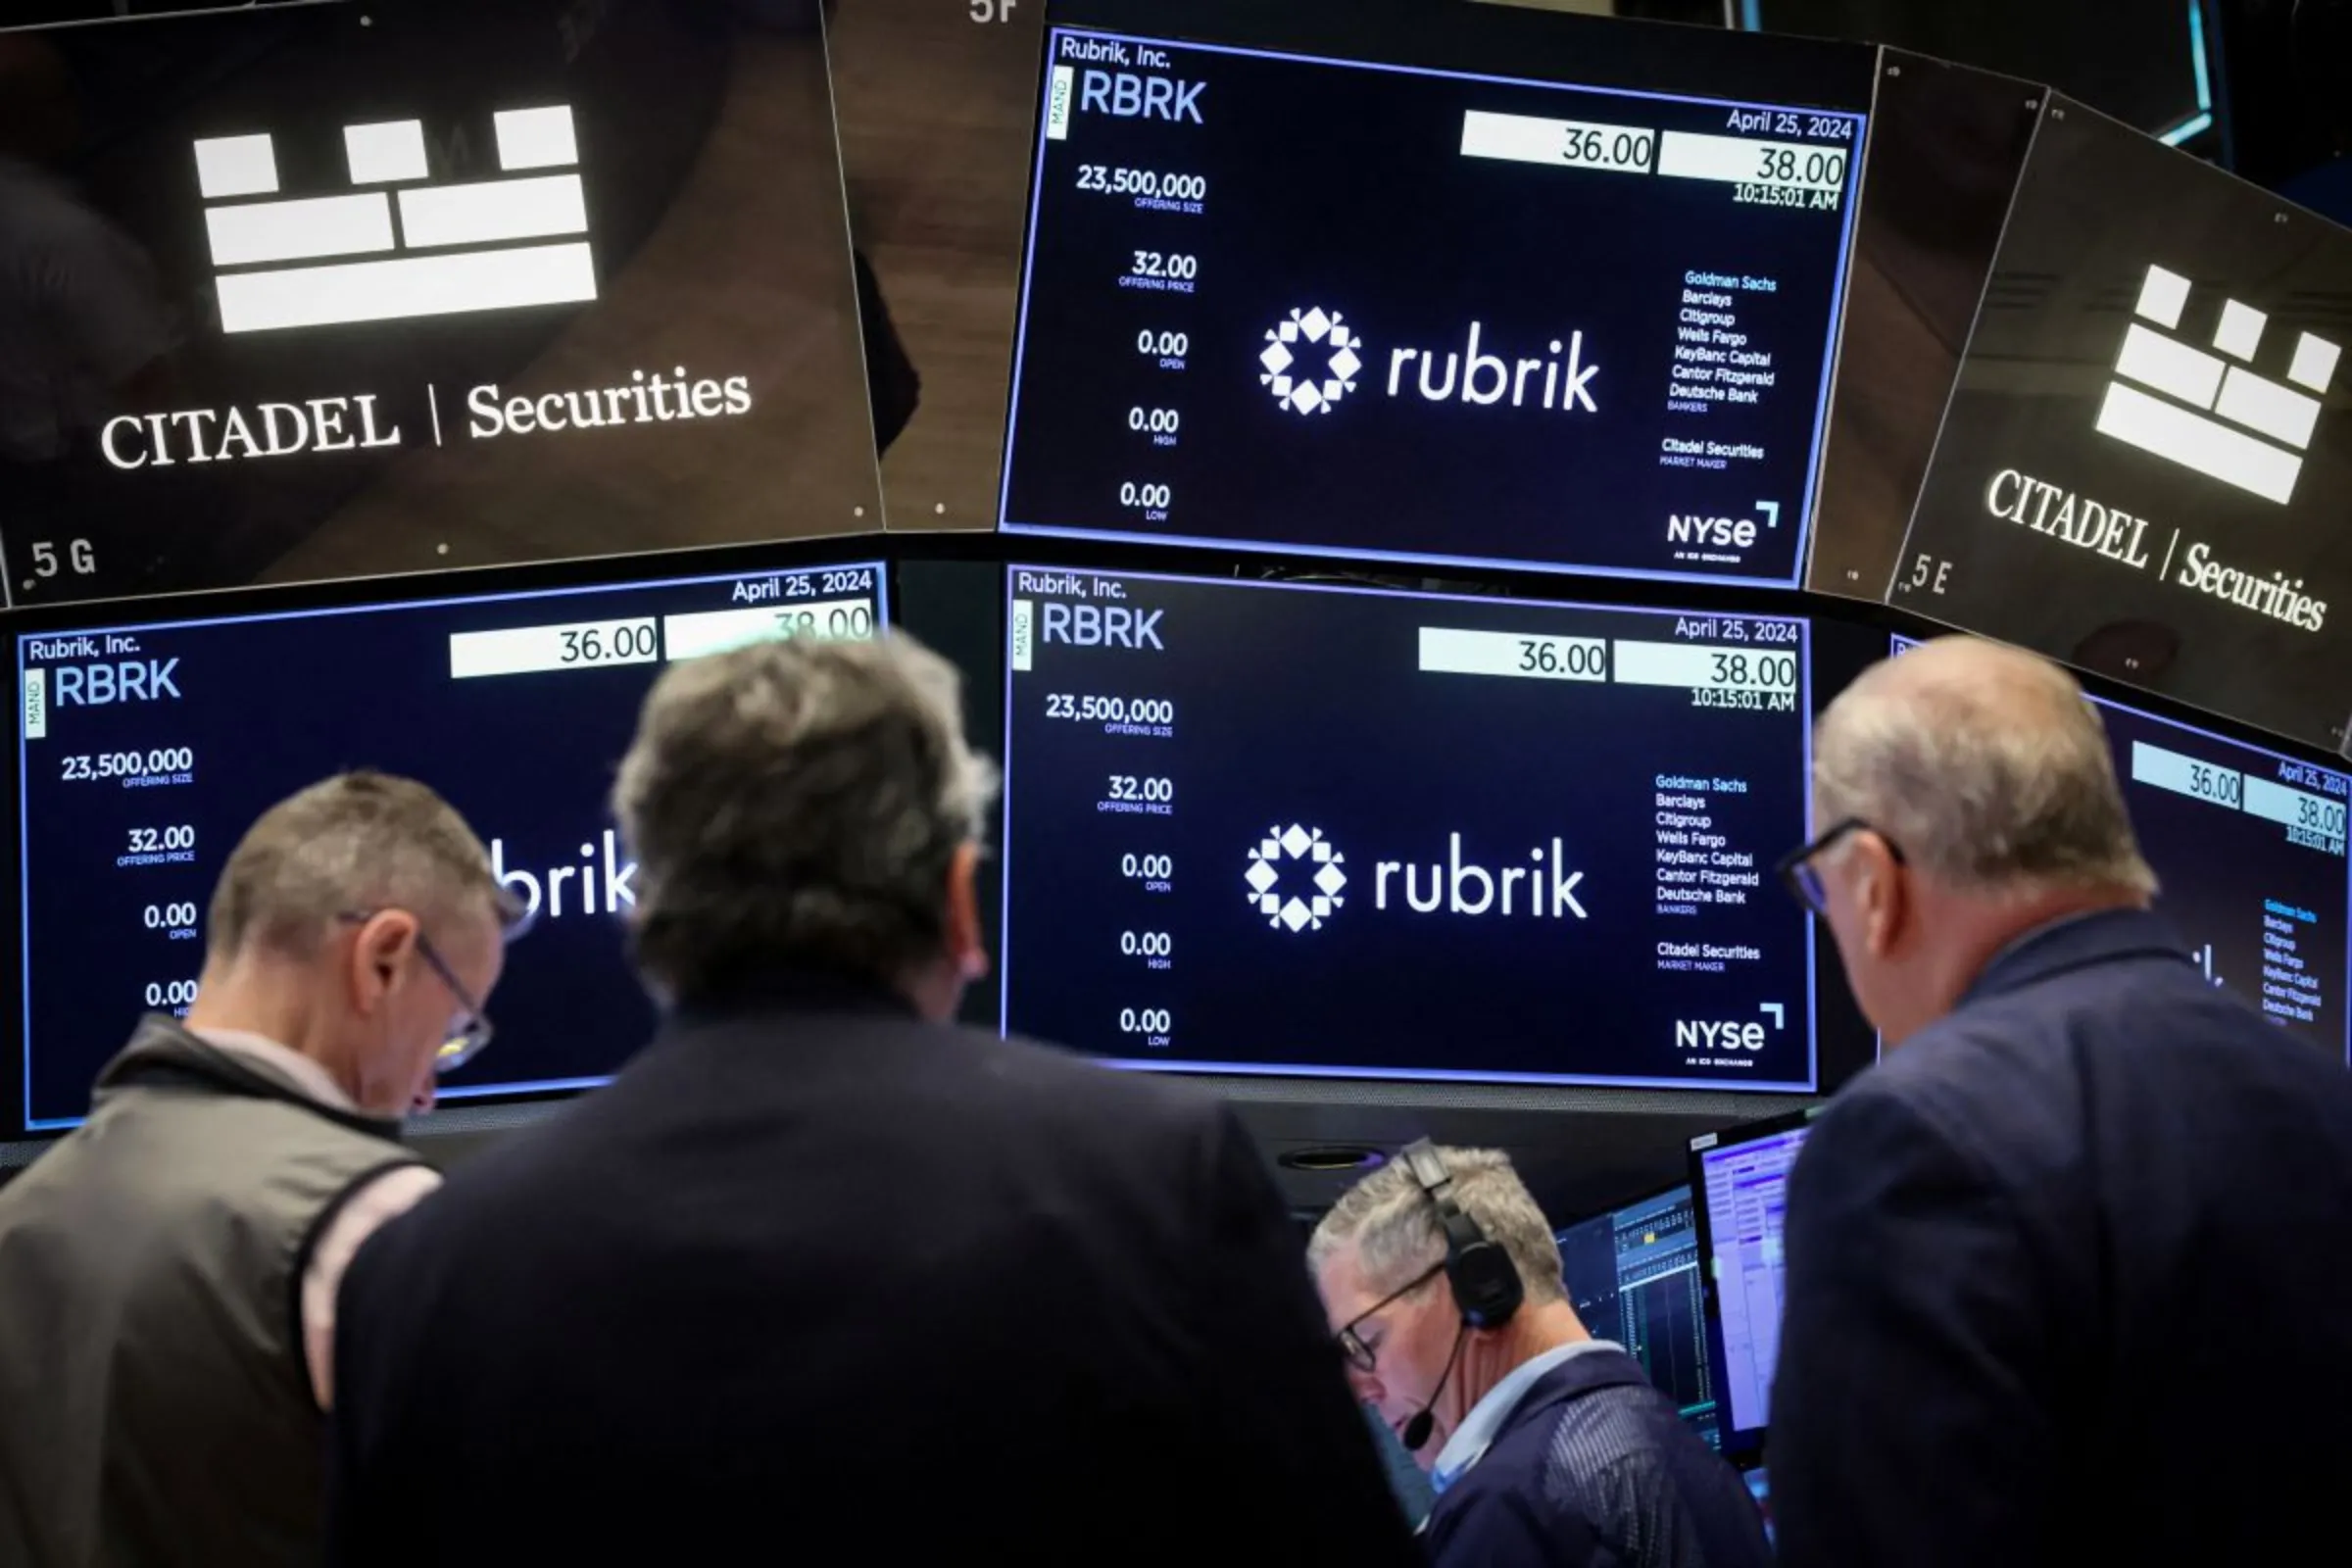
(1486, 1284)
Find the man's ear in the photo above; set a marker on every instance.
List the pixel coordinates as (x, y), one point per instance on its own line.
(1881, 893)
(379, 951)
(967, 948)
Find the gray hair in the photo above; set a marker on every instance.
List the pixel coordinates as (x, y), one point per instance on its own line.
(351, 843)
(797, 802)
(1985, 766)
(1397, 1234)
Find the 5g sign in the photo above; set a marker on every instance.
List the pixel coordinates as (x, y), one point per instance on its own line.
(80, 557)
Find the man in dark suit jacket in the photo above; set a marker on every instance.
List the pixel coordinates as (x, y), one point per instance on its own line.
(822, 1276)
(2069, 1272)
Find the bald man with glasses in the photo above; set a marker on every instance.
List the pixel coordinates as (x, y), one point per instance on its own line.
(169, 1272)
(2067, 1269)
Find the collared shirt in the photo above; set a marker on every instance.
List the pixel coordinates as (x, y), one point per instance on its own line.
(363, 1211)
(1478, 1428)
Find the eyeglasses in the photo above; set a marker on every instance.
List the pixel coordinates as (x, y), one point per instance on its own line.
(1362, 1357)
(1796, 869)
(470, 1038)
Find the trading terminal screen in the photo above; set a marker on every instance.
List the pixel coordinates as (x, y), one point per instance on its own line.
(2248, 847)
(1633, 1275)
(1279, 301)
(1275, 829)
(1743, 1187)
(146, 749)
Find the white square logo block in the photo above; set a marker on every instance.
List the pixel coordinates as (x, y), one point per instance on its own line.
(536, 139)
(2176, 402)
(385, 153)
(237, 166)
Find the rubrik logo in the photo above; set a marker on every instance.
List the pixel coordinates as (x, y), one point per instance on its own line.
(1296, 880)
(1312, 358)
(1311, 361)
(1281, 886)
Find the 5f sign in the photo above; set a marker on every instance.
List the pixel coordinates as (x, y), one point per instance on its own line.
(993, 10)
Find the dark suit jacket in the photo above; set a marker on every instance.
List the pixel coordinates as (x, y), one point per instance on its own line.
(816, 1281)
(2070, 1279)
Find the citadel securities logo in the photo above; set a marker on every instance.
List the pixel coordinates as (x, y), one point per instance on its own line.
(482, 245)
(1265, 877)
(1559, 378)
(2181, 426)
(1314, 389)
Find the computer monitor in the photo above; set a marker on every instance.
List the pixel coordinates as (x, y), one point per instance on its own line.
(2248, 846)
(1633, 1275)
(151, 737)
(1741, 1180)
(1311, 831)
(1510, 290)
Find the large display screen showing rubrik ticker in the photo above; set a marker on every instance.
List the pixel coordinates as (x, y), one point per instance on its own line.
(1282, 301)
(1267, 828)
(147, 749)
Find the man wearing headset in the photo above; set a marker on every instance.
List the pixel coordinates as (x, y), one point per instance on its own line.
(1441, 1282)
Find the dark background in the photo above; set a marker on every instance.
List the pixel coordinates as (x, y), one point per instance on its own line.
(1945, 146)
(528, 760)
(1344, 188)
(1298, 706)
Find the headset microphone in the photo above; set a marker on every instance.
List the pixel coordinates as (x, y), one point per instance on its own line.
(1485, 1284)
(1415, 1435)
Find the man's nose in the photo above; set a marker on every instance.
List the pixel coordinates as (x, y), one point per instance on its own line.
(1365, 1384)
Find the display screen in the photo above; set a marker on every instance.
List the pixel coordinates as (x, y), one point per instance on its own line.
(1633, 1275)
(1264, 828)
(2141, 61)
(2248, 847)
(320, 292)
(1743, 1188)
(1283, 301)
(936, 104)
(1947, 144)
(146, 749)
(2151, 427)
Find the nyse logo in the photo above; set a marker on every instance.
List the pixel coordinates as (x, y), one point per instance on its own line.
(1728, 1034)
(1724, 533)
(484, 245)
(2218, 418)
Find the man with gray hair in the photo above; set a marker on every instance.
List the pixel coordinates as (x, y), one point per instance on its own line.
(2066, 1270)
(821, 1267)
(168, 1271)
(1441, 1282)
